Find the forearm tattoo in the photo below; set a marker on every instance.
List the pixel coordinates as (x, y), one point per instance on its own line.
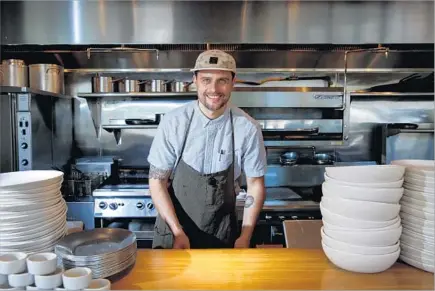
(159, 174)
(249, 201)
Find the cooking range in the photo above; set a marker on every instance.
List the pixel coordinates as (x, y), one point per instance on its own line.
(124, 194)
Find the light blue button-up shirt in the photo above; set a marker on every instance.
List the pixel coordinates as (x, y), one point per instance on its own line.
(208, 147)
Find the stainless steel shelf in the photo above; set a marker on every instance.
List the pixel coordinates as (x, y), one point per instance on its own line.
(391, 94)
(27, 90)
(137, 94)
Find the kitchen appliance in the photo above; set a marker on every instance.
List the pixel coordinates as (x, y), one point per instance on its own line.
(404, 141)
(296, 116)
(124, 200)
(36, 129)
(14, 72)
(47, 77)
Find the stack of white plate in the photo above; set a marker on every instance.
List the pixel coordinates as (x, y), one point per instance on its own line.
(32, 211)
(417, 213)
(360, 209)
(106, 251)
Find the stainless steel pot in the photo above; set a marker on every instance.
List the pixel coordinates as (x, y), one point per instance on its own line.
(102, 84)
(158, 85)
(47, 77)
(127, 86)
(289, 158)
(177, 86)
(14, 73)
(323, 159)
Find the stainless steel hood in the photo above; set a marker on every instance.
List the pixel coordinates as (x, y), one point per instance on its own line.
(79, 22)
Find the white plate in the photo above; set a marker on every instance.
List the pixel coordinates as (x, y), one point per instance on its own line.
(33, 191)
(410, 209)
(427, 165)
(26, 180)
(416, 220)
(29, 206)
(366, 174)
(419, 195)
(7, 217)
(34, 232)
(417, 264)
(422, 205)
(424, 189)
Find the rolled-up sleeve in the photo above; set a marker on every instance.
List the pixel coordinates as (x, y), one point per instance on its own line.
(162, 153)
(254, 162)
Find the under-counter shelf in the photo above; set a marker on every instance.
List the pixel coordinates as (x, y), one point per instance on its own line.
(137, 94)
(27, 90)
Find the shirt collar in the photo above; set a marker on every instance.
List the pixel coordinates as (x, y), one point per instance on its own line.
(205, 121)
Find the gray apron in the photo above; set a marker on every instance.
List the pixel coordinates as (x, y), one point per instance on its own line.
(205, 205)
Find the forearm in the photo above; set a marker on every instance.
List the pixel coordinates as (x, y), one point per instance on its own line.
(158, 183)
(253, 205)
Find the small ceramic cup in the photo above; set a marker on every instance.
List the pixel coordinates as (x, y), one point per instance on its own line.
(12, 263)
(20, 280)
(42, 264)
(49, 281)
(99, 284)
(77, 278)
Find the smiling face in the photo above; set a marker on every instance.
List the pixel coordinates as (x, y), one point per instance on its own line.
(214, 89)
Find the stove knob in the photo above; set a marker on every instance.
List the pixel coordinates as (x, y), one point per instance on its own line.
(102, 205)
(140, 205)
(113, 206)
(150, 206)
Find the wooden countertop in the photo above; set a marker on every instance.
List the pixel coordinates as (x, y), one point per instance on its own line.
(258, 269)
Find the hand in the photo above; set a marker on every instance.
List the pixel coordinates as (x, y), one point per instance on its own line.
(181, 241)
(242, 243)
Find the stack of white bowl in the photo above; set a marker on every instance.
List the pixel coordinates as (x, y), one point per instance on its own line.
(418, 214)
(360, 209)
(18, 271)
(32, 211)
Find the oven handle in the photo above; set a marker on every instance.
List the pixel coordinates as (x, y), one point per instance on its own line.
(138, 121)
(303, 131)
(396, 128)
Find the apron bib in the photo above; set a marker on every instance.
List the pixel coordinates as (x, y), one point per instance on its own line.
(205, 205)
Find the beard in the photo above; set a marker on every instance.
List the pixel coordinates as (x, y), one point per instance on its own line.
(214, 102)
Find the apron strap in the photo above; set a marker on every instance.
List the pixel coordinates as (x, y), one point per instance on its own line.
(186, 134)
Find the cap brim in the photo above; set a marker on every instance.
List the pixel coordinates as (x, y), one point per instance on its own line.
(218, 69)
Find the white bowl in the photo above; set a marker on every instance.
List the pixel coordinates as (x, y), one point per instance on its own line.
(42, 264)
(340, 220)
(367, 174)
(20, 280)
(12, 263)
(360, 263)
(99, 284)
(328, 225)
(395, 184)
(77, 278)
(385, 195)
(356, 249)
(374, 238)
(49, 281)
(362, 210)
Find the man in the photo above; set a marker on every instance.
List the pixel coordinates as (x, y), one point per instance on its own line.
(203, 146)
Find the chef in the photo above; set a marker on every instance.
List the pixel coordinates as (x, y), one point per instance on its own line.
(198, 153)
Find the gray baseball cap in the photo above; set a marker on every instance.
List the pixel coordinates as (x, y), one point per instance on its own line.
(215, 60)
